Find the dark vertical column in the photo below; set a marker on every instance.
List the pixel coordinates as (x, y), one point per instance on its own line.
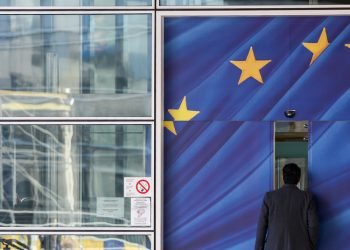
(120, 160)
(87, 54)
(87, 83)
(120, 85)
(86, 159)
(7, 173)
(46, 26)
(148, 150)
(121, 81)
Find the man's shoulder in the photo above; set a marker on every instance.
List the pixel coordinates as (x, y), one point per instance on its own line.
(284, 189)
(280, 191)
(279, 195)
(270, 194)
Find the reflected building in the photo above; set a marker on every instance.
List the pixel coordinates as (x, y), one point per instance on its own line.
(59, 173)
(74, 60)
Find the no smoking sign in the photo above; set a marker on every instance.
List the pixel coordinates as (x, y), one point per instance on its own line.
(137, 186)
(143, 186)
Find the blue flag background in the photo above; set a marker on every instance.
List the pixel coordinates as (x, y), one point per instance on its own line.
(216, 174)
(220, 163)
(197, 56)
(329, 175)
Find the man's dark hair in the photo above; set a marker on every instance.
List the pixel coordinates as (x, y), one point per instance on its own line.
(291, 173)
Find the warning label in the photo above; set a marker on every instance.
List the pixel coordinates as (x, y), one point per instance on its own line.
(140, 212)
(137, 186)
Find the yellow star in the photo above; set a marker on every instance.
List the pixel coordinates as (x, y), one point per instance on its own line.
(347, 45)
(183, 114)
(317, 48)
(250, 67)
(170, 126)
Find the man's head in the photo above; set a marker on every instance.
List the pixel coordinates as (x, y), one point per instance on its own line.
(291, 174)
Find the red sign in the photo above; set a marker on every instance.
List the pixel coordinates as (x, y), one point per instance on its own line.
(143, 186)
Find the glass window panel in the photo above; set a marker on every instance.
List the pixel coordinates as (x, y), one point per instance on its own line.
(76, 2)
(76, 66)
(76, 242)
(66, 175)
(240, 2)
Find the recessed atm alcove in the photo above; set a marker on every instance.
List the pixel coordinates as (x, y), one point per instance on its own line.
(291, 145)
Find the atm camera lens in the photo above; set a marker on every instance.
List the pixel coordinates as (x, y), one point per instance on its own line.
(290, 113)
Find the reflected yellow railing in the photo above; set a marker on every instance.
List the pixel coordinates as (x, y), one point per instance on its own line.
(62, 102)
(72, 243)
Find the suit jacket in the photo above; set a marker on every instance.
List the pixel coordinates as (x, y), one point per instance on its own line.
(288, 220)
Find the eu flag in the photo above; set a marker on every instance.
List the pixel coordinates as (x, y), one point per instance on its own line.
(226, 79)
(303, 72)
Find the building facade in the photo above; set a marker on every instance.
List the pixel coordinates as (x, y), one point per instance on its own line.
(139, 124)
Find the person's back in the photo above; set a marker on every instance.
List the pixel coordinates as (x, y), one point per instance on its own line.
(288, 219)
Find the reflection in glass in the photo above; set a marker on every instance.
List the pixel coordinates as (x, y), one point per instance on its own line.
(76, 3)
(76, 242)
(60, 175)
(58, 65)
(291, 145)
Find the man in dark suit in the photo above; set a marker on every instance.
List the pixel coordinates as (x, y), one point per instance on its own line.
(288, 218)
